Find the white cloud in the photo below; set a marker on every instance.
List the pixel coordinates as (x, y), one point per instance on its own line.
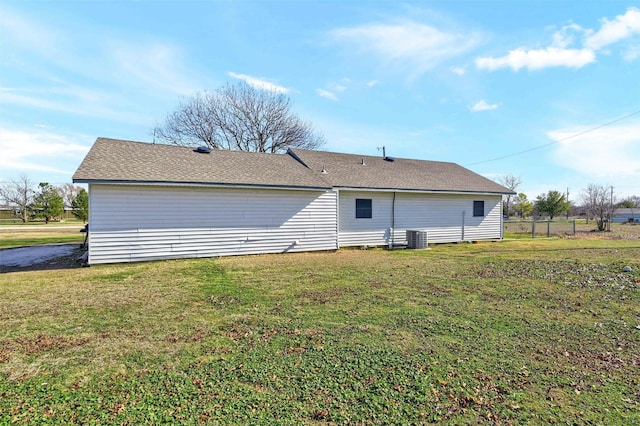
(407, 44)
(566, 36)
(458, 70)
(337, 87)
(561, 54)
(327, 94)
(483, 106)
(372, 83)
(538, 58)
(632, 53)
(620, 28)
(612, 152)
(70, 100)
(36, 151)
(259, 83)
(29, 34)
(154, 64)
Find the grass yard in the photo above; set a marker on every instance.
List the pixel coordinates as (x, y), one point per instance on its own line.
(518, 332)
(20, 235)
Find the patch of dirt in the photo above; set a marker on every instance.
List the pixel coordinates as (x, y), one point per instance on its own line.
(568, 272)
(618, 232)
(38, 344)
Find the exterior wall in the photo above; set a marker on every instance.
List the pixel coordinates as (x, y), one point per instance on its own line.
(136, 223)
(364, 232)
(446, 217)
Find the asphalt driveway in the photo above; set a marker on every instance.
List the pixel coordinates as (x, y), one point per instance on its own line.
(29, 257)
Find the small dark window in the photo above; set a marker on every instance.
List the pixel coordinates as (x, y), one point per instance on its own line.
(364, 209)
(478, 208)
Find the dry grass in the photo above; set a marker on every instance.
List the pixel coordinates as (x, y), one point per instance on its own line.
(517, 332)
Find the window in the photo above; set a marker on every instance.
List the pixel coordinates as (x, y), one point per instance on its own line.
(478, 208)
(364, 208)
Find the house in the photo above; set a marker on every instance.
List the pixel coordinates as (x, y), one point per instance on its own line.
(149, 201)
(626, 215)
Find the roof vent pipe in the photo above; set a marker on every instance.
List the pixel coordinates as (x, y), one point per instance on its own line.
(362, 162)
(384, 151)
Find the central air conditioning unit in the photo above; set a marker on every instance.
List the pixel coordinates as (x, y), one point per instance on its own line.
(417, 239)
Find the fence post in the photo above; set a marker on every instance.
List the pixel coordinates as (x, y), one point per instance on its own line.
(533, 228)
(548, 228)
(574, 227)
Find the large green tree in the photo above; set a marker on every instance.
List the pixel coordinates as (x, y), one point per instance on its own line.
(629, 203)
(522, 206)
(47, 203)
(552, 204)
(80, 205)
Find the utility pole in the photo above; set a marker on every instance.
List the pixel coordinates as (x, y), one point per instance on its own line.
(569, 209)
(611, 208)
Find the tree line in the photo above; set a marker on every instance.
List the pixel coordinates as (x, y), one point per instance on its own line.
(44, 201)
(598, 202)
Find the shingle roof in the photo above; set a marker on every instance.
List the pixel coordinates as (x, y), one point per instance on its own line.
(360, 171)
(112, 160)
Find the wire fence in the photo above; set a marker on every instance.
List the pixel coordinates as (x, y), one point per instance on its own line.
(540, 228)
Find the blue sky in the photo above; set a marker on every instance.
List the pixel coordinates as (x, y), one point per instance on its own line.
(501, 87)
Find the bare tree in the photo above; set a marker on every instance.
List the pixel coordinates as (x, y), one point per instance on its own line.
(19, 193)
(510, 182)
(238, 117)
(599, 203)
(68, 192)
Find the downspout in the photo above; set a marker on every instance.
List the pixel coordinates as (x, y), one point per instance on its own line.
(337, 219)
(463, 214)
(502, 223)
(393, 221)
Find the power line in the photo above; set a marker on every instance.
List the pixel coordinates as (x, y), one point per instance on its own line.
(557, 141)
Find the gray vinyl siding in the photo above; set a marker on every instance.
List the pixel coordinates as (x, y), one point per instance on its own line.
(448, 217)
(364, 232)
(135, 223)
(445, 217)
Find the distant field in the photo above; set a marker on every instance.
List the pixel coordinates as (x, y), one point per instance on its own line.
(31, 234)
(517, 332)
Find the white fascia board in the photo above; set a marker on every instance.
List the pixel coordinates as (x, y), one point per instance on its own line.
(200, 185)
(419, 191)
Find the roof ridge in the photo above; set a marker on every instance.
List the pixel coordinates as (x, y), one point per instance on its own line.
(371, 156)
(213, 150)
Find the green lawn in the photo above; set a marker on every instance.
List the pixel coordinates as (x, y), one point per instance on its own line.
(518, 332)
(30, 234)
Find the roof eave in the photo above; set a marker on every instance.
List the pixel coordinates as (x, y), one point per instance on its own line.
(434, 191)
(199, 184)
